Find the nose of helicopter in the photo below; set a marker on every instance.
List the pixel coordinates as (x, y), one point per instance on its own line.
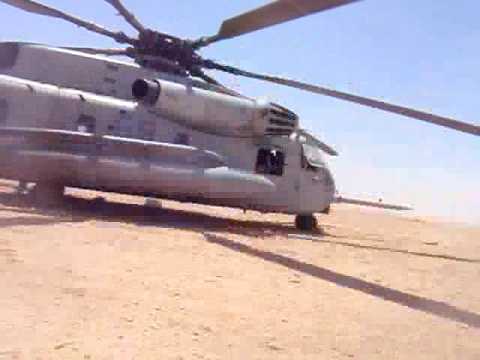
(318, 190)
(328, 183)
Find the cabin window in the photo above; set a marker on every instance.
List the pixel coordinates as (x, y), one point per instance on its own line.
(3, 112)
(270, 162)
(86, 124)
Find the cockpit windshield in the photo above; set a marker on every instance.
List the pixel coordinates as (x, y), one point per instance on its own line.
(313, 156)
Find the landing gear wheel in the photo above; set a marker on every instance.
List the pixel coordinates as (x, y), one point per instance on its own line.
(306, 222)
(47, 194)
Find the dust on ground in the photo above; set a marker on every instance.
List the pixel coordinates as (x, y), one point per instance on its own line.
(113, 279)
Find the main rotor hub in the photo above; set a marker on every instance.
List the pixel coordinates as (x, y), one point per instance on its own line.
(155, 48)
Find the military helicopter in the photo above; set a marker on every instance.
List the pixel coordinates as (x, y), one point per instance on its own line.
(162, 127)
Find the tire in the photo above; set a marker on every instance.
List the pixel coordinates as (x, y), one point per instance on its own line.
(306, 222)
(47, 194)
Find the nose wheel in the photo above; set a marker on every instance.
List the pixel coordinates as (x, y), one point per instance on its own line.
(306, 222)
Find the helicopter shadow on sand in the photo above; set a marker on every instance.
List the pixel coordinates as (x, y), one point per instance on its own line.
(77, 210)
(326, 240)
(412, 301)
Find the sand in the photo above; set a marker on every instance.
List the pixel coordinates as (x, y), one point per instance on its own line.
(91, 279)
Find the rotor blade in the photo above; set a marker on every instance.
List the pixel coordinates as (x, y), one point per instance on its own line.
(108, 52)
(377, 104)
(379, 204)
(276, 12)
(197, 72)
(130, 17)
(214, 83)
(41, 9)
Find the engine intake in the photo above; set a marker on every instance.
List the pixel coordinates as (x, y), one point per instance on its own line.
(147, 91)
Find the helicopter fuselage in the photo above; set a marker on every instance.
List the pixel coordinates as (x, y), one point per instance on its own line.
(71, 119)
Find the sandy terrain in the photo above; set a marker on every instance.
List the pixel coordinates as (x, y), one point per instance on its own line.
(115, 280)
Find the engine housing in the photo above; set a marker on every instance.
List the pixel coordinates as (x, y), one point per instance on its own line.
(213, 112)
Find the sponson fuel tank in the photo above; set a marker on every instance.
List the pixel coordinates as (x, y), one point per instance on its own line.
(213, 112)
(123, 165)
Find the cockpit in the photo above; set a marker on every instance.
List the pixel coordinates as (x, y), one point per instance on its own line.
(312, 158)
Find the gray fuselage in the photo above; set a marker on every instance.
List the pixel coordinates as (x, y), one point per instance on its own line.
(73, 93)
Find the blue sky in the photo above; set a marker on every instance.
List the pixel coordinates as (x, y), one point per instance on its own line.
(424, 54)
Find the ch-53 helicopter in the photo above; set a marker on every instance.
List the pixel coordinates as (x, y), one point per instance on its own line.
(161, 126)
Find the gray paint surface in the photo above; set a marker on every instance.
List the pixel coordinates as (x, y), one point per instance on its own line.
(61, 87)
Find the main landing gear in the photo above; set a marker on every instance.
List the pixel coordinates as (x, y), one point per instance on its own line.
(306, 222)
(47, 194)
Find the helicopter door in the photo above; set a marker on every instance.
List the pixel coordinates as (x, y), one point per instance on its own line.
(270, 161)
(278, 164)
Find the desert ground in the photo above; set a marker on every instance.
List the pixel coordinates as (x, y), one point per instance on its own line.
(114, 279)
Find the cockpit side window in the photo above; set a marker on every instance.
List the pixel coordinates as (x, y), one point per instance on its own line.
(270, 162)
(312, 158)
(306, 165)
